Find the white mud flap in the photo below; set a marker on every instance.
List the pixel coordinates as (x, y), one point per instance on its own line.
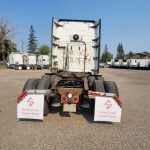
(108, 107)
(30, 106)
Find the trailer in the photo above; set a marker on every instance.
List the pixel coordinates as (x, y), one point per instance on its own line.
(15, 60)
(134, 63)
(110, 63)
(44, 61)
(117, 63)
(74, 81)
(125, 63)
(32, 61)
(144, 63)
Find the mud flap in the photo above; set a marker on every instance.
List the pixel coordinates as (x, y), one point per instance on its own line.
(30, 106)
(107, 109)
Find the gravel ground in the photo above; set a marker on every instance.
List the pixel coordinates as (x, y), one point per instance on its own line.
(78, 131)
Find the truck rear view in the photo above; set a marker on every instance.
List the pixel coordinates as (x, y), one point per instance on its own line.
(74, 80)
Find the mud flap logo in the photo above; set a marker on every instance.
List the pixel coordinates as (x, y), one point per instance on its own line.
(108, 104)
(30, 101)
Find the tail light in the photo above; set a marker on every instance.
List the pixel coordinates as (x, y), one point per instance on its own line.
(75, 99)
(64, 99)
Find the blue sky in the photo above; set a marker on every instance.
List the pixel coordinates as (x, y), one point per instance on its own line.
(126, 21)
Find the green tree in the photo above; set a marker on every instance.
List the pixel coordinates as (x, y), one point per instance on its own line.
(130, 54)
(6, 44)
(106, 55)
(44, 49)
(32, 42)
(120, 51)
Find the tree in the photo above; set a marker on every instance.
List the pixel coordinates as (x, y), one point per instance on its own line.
(130, 54)
(106, 55)
(32, 42)
(44, 49)
(120, 51)
(6, 44)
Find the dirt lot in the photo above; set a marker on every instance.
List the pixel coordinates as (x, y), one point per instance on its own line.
(78, 132)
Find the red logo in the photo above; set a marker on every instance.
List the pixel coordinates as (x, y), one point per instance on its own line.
(108, 104)
(30, 101)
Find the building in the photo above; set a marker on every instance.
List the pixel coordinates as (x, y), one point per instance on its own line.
(143, 55)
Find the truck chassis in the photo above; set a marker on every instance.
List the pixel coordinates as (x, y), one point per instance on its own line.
(70, 88)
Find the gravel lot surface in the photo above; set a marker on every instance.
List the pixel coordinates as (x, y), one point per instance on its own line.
(78, 131)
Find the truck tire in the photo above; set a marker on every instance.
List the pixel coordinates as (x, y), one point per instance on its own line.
(31, 84)
(100, 78)
(111, 87)
(91, 81)
(98, 85)
(44, 83)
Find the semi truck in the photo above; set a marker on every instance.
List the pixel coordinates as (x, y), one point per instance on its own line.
(74, 79)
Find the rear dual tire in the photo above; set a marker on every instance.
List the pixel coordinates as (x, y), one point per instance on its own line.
(111, 87)
(31, 84)
(103, 86)
(43, 83)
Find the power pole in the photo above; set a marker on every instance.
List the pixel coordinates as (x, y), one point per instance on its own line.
(22, 46)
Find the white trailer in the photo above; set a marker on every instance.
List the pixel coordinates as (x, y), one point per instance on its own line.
(75, 82)
(144, 63)
(134, 63)
(15, 60)
(44, 61)
(117, 63)
(110, 63)
(32, 59)
(125, 63)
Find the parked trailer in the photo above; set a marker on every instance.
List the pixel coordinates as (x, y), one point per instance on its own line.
(44, 61)
(25, 61)
(32, 61)
(75, 60)
(117, 63)
(15, 60)
(110, 63)
(125, 63)
(134, 63)
(145, 63)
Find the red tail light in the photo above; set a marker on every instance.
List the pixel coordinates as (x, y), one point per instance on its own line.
(64, 99)
(75, 99)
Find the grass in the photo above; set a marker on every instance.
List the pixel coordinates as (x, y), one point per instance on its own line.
(3, 66)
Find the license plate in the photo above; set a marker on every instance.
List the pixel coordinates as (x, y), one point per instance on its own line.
(69, 107)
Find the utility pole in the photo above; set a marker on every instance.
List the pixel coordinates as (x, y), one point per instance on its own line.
(22, 46)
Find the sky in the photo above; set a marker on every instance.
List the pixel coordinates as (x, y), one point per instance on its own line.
(123, 21)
